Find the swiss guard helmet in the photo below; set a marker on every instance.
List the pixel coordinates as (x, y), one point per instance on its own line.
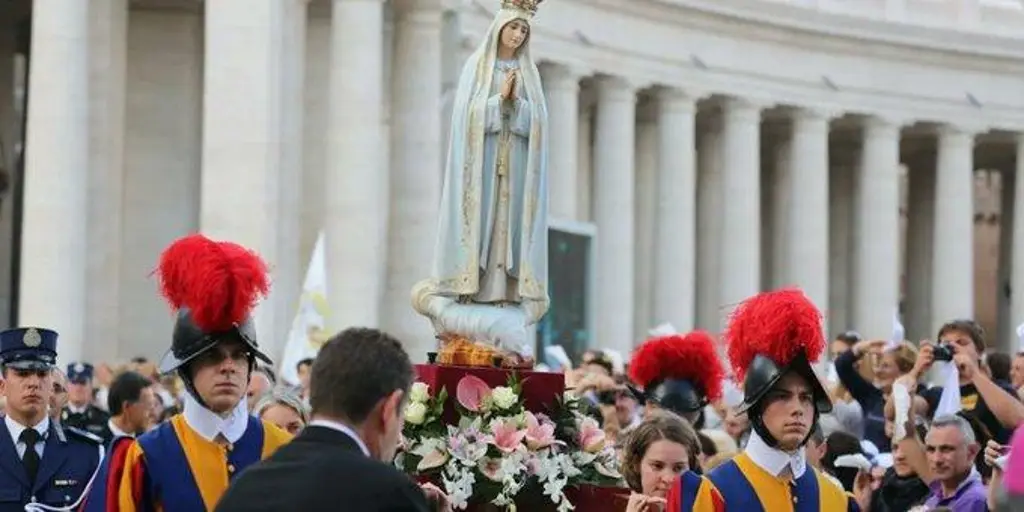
(213, 287)
(679, 373)
(769, 335)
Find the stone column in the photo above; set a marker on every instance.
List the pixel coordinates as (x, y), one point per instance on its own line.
(355, 197)
(806, 263)
(920, 246)
(1006, 328)
(675, 239)
(841, 248)
(585, 165)
(1017, 270)
(876, 237)
(243, 132)
(416, 163)
(52, 290)
(613, 212)
(107, 69)
(776, 191)
(562, 89)
(644, 210)
(291, 260)
(10, 126)
(953, 231)
(740, 275)
(709, 221)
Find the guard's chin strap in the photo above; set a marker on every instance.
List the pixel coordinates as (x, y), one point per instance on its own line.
(41, 507)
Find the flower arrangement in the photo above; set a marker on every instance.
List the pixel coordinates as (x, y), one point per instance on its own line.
(500, 452)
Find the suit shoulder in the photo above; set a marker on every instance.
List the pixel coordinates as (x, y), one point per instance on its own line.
(82, 436)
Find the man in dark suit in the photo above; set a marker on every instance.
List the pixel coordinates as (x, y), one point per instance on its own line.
(342, 460)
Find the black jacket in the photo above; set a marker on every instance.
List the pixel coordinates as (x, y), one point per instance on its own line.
(898, 494)
(322, 469)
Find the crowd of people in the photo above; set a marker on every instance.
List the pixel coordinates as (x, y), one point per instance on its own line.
(949, 450)
(209, 427)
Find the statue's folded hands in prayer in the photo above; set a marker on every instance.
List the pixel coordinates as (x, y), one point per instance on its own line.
(490, 263)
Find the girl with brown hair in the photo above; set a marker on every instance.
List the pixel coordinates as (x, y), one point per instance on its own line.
(654, 455)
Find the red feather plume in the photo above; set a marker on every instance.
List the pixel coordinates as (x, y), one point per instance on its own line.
(220, 282)
(691, 357)
(779, 325)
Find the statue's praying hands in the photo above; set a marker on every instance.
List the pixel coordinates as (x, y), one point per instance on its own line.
(508, 91)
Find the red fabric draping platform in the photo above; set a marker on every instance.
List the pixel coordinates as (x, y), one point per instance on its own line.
(540, 390)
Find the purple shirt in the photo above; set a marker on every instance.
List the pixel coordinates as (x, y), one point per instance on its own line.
(970, 495)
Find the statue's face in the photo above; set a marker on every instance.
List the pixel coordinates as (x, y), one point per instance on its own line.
(514, 34)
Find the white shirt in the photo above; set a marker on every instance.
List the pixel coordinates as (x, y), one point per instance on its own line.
(15, 428)
(334, 425)
(208, 424)
(774, 460)
(74, 409)
(117, 432)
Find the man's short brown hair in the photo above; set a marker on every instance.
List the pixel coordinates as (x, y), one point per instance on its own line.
(354, 371)
(971, 328)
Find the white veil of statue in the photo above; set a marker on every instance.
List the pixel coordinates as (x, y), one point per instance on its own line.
(451, 298)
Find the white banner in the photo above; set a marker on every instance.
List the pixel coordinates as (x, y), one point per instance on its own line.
(308, 332)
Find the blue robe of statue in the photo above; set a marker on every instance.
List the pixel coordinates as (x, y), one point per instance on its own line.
(506, 150)
(492, 233)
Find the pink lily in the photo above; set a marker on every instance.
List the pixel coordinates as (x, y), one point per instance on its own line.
(539, 433)
(506, 436)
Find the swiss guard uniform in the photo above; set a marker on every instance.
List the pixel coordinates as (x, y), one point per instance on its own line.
(179, 466)
(679, 373)
(682, 374)
(770, 335)
(90, 418)
(43, 466)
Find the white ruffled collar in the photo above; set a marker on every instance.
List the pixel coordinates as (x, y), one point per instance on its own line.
(208, 424)
(774, 460)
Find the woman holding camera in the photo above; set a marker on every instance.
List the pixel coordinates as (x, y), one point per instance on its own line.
(893, 363)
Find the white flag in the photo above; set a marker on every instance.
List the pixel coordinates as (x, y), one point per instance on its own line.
(949, 400)
(308, 332)
(898, 332)
(665, 329)
(1020, 338)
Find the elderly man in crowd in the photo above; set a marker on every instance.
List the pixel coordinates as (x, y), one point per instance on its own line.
(59, 399)
(951, 448)
(260, 382)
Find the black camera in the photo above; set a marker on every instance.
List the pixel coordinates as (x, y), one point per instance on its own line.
(608, 397)
(943, 352)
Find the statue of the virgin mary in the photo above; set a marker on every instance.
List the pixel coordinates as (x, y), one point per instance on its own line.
(490, 263)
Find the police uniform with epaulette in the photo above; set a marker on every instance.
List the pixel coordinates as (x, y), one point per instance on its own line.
(85, 416)
(186, 463)
(43, 466)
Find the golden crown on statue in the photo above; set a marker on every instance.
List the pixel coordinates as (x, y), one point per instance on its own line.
(528, 7)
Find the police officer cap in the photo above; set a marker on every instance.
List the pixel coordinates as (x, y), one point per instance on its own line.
(80, 372)
(28, 348)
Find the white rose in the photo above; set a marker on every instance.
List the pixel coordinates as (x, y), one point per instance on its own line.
(416, 413)
(504, 398)
(420, 393)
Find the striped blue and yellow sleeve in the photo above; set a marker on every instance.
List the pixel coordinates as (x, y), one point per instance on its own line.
(694, 493)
